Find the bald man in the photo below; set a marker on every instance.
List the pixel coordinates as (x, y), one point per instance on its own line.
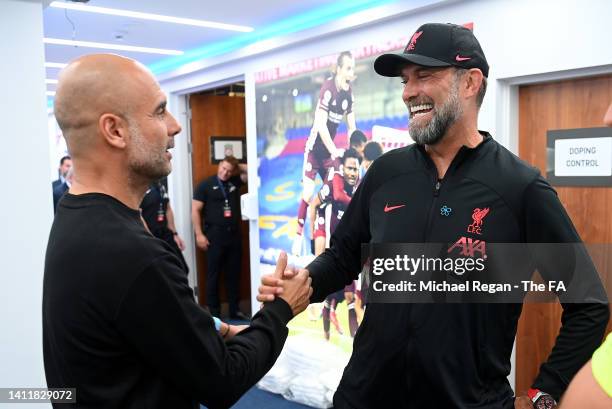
(120, 323)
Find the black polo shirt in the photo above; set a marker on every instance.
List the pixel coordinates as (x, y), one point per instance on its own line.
(211, 192)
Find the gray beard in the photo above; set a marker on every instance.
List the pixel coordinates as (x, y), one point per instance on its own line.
(442, 119)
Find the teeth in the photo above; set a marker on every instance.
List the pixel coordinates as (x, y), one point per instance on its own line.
(416, 108)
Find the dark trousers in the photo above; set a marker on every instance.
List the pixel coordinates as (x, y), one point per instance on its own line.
(224, 254)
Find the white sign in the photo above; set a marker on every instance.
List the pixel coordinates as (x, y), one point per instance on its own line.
(583, 157)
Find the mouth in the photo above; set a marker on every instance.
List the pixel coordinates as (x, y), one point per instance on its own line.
(168, 153)
(420, 110)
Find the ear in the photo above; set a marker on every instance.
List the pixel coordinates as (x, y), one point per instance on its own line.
(114, 130)
(473, 80)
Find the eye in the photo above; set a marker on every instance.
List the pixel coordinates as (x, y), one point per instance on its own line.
(404, 82)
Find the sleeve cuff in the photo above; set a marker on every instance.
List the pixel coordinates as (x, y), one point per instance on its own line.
(280, 308)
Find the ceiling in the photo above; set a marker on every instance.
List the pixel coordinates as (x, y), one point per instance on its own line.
(267, 17)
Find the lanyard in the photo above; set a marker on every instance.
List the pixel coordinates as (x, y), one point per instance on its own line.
(222, 188)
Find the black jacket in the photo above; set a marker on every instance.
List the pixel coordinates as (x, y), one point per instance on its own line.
(449, 355)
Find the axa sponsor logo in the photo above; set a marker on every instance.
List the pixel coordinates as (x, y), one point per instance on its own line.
(477, 220)
(469, 247)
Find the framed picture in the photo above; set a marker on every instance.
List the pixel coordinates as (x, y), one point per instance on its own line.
(222, 146)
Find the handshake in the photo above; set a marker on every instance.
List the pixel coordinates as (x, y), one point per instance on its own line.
(288, 283)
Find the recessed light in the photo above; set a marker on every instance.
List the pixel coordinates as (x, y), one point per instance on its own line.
(90, 44)
(149, 16)
(55, 65)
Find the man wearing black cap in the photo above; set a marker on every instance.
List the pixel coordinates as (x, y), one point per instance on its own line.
(455, 185)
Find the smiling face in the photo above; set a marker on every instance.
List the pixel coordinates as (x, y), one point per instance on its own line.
(432, 98)
(345, 72)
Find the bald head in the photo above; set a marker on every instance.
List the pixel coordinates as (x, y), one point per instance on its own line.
(94, 85)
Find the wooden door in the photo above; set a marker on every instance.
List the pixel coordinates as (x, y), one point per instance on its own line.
(577, 103)
(215, 115)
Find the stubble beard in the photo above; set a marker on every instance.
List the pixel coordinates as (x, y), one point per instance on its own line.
(443, 117)
(145, 162)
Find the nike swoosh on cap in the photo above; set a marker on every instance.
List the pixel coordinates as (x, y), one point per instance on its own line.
(460, 58)
(389, 208)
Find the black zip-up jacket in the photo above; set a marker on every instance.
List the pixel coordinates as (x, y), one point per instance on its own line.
(450, 355)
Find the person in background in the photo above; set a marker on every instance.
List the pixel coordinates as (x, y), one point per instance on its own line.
(357, 141)
(334, 104)
(62, 188)
(215, 214)
(159, 217)
(327, 209)
(64, 165)
(371, 152)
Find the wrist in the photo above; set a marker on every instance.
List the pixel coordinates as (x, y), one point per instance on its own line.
(226, 332)
(541, 399)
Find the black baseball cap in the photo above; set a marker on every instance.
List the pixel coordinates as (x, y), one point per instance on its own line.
(436, 45)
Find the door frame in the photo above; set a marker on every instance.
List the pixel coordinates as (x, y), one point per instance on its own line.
(507, 122)
(180, 184)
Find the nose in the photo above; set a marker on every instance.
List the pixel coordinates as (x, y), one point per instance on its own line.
(173, 126)
(410, 91)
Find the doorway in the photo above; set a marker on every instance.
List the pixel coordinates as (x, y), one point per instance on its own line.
(567, 104)
(219, 112)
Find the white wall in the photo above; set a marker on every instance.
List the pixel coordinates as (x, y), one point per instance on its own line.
(26, 207)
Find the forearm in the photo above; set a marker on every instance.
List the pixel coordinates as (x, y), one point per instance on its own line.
(170, 218)
(320, 126)
(583, 327)
(197, 221)
(187, 347)
(339, 193)
(328, 275)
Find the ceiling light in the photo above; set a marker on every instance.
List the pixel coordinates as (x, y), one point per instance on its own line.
(149, 16)
(50, 81)
(55, 65)
(59, 41)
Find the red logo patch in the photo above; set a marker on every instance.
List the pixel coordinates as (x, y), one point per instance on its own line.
(413, 41)
(389, 208)
(477, 216)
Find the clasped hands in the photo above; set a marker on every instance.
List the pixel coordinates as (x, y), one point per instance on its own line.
(287, 282)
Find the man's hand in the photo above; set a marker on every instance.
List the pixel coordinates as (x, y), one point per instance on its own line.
(272, 284)
(179, 242)
(235, 329)
(202, 242)
(292, 287)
